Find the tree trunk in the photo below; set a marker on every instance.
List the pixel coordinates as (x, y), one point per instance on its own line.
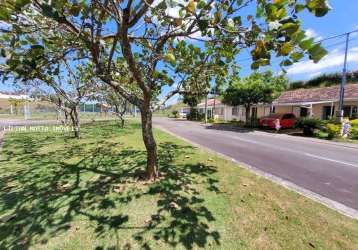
(247, 114)
(75, 122)
(149, 142)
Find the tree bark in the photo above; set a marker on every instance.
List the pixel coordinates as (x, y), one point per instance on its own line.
(149, 142)
(247, 114)
(75, 122)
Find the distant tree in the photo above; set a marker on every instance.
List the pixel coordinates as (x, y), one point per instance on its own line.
(115, 101)
(256, 88)
(325, 80)
(71, 85)
(16, 103)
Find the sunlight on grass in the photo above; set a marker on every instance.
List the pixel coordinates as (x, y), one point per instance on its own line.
(61, 193)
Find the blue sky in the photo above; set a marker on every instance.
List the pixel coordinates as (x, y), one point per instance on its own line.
(342, 18)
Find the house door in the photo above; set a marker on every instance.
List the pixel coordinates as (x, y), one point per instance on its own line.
(327, 112)
(303, 112)
(210, 113)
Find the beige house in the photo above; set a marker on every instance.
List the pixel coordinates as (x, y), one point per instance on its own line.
(320, 103)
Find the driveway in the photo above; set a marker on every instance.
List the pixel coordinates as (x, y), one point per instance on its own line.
(327, 169)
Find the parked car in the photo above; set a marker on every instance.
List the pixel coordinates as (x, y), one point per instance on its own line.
(183, 114)
(287, 120)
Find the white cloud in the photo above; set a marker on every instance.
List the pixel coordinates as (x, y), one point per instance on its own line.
(315, 74)
(311, 33)
(333, 59)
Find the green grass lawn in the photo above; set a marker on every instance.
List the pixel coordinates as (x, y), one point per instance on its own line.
(61, 193)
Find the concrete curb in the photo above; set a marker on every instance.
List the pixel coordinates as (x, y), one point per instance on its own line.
(337, 206)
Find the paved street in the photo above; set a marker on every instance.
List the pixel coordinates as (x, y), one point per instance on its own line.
(327, 169)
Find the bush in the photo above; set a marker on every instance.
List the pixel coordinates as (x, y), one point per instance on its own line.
(333, 130)
(354, 132)
(309, 125)
(354, 123)
(175, 113)
(194, 115)
(211, 120)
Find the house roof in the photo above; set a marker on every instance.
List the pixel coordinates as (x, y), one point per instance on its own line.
(210, 102)
(318, 94)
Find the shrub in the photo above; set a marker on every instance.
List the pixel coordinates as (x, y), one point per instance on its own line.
(354, 132)
(194, 115)
(309, 125)
(354, 123)
(211, 120)
(333, 130)
(175, 113)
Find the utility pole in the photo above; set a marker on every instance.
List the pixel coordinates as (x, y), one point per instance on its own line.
(340, 112)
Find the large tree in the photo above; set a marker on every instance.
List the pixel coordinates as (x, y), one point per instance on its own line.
(155, 43)
(253, 89)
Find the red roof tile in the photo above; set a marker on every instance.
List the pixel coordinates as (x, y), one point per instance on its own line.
(210, 102)
(318, 94)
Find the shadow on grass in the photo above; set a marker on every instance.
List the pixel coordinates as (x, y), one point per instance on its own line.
(49, 192)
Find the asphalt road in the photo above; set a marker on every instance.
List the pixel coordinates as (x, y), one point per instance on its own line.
(327, 169)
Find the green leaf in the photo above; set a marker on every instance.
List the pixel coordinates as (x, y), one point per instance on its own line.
(203, 24)
(170, 58)
(290, 27)
(255, 65)
(279, 2)
(296, 56)
(318, 7)
(19, 4)
(75, 9)
(306, 44)
(5, 14)
(286, 62)
(3, 52)
(299, 8)
(286, 48)
(317, 52)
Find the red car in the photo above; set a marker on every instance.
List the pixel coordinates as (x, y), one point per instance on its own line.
(287, 120)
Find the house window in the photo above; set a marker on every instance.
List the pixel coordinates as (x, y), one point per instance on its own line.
(347, 111)
(354, 112)
(303, 112)
(350, 111)
(327, 112)
(235, 111)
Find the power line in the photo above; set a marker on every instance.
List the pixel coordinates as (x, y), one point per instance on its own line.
(320, 41)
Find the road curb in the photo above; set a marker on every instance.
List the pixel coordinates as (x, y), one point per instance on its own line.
(337, 206)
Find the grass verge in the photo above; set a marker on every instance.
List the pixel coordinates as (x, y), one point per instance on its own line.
(61, 193)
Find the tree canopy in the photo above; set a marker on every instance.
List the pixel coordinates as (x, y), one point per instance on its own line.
(253, 89)
(138, 47)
